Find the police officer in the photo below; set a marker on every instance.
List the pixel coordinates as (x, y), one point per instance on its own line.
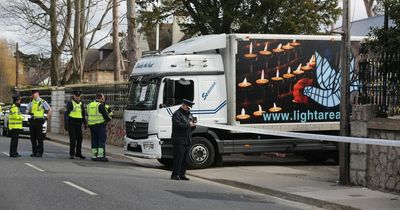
(97, 120)
(182, 125)
(15, 124)
(74, 118)
(109, 110)
(37, 108)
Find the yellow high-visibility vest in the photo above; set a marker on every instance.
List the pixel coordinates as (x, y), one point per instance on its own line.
(94, 116)
(37, 109)
(77, 110)
(110, 113)
(15, 118)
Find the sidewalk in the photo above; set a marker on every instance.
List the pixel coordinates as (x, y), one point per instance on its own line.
(300, 184)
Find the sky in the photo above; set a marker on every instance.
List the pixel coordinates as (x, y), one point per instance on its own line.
(28, 44)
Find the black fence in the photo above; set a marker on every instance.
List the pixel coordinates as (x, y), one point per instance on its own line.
(379, 75)
(116, 94)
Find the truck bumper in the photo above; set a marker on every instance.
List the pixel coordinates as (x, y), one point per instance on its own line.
(149, 148)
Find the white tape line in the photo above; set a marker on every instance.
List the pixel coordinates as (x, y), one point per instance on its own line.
(319, 137)
(79, 188)
(6, 154)
(34, 167)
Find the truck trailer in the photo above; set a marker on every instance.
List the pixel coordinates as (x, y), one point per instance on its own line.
(278, 82)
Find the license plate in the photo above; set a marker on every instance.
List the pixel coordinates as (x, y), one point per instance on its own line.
(133, 144)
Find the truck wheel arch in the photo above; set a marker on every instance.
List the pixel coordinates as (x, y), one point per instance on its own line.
(213, 138)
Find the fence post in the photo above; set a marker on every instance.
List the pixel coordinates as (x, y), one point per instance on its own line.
(57, 103)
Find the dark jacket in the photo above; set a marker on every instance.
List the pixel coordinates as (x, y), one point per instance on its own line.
(181, 131)
(72, 120)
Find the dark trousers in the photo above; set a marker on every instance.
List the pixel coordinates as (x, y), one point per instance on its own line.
(36, 132)
(98, 136)
(14, 141)
(75, 139)
(181, 157)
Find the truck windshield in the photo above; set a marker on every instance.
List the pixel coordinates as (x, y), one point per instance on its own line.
(143, 94)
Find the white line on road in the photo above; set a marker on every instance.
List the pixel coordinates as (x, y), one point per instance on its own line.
(34, 167)
(6, 153)
(79, 188)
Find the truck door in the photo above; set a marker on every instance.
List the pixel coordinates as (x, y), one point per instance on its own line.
(211, 100)
(182, 88)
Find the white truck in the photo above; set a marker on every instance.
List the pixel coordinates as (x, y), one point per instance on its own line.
(282, 82)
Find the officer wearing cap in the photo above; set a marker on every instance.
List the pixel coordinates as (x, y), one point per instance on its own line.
(74, 118)
(15, 124)
(37, 108)
(182, 125)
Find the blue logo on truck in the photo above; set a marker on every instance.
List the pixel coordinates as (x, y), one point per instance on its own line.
(205, 94)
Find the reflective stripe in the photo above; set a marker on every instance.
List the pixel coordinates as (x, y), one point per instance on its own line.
(94, 152)
(77, 110)
(100, 152)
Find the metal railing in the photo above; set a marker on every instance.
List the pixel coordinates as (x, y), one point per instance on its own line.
(379, 76)
(116, 94)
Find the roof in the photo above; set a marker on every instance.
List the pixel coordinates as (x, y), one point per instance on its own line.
(363, 26)
(93, 62)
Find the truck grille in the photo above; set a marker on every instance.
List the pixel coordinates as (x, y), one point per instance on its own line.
(136, 130)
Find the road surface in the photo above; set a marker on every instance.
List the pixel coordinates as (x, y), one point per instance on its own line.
(56, 182)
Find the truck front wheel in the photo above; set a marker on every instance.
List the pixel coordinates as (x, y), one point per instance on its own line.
(201, 153)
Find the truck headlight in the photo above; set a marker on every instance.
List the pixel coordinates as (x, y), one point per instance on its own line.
(148, 145)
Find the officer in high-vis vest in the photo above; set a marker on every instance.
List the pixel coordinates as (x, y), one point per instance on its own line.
(97, 120)
(74, 118)
(15, 124)
(37, 108)
(109, 110)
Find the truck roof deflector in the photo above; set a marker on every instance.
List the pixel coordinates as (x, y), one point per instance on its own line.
(198, 44)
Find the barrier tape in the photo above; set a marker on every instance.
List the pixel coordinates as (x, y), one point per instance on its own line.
(319, 137)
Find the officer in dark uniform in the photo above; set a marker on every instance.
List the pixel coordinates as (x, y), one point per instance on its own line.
(74, 118)
(37, 108)
(15, 124)
(182, 125)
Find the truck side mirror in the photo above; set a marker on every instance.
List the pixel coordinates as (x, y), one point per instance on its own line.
(169, 92)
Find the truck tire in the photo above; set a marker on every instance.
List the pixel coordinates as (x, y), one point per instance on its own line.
(201, 153)
(165, 161)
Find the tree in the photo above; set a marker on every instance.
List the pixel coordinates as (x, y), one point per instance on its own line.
(115, 34)
(47, 17)
(8, 71)
(131, 38)
(244, 16)
(387, 39)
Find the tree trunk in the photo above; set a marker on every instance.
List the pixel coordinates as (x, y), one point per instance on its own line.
(132, 35)
(82, 38)
(55, 55)
(75, 77)
(115, 33)
(368, 7)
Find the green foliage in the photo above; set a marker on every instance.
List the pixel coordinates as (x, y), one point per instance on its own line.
(387, 39)
(243, 16)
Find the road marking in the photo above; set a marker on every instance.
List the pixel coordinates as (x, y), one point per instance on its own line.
(79, 188)
(6, 154)
(34, 167)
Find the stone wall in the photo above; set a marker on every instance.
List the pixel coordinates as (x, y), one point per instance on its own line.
(57, 103)
(115, 129)
(375, 167)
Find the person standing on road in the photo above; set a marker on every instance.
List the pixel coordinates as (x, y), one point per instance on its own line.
(37, 108)
(97, 120)
(15, 125)
(74, 118)
(182, 125)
